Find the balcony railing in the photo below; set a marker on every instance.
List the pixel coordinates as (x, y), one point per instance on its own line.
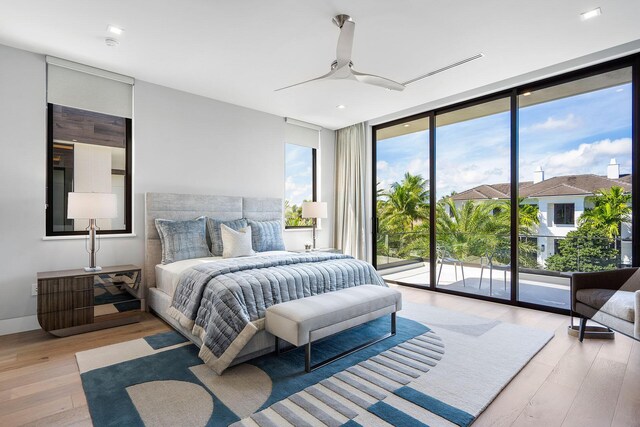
(480, 264)
(536, 252)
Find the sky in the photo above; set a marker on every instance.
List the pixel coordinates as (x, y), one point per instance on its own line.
(575, 135)
(298, 174)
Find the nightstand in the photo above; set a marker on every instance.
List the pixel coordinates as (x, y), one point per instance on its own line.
(75, 301)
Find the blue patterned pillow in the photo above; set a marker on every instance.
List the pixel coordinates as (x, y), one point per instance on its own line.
(214, 232)
(183, 239)
(266, 235)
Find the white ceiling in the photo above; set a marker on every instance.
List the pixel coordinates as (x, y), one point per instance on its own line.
(241, 51)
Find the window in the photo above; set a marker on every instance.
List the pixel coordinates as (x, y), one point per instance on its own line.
(563, 214)
(556, 157)
(402, 168)
(87, 152)
(473, 174)
(300, 183)
(556, 246)
(88, 144)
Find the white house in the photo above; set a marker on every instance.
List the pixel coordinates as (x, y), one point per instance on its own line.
(561, 200)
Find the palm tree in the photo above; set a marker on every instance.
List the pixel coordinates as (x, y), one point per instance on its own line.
(611, 208)
(403, 212)
(481, 228)
(528, 220)
(407, 203)
(471, 229)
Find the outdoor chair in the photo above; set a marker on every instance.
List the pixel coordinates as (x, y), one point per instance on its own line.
(491, 265)
(610, 298)
(445, 257)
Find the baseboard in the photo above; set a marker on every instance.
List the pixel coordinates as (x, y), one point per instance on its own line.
(19, 324)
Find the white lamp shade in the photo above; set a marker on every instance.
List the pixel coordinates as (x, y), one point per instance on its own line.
(92, 206)
(314, 209)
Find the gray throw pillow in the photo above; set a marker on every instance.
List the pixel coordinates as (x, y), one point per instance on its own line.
(236, 243)
(213, 225)
(266, 235)
(182, 239)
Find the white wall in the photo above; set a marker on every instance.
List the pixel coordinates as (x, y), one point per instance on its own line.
(182, 143)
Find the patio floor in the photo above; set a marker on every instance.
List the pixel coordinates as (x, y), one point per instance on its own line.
(537, 289)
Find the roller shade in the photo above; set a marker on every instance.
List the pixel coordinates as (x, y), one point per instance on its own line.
(87, 88)
(301, 133)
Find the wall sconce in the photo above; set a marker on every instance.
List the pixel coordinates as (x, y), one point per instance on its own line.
(541, 248)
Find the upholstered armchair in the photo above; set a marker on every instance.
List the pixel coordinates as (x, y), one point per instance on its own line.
(610, 298)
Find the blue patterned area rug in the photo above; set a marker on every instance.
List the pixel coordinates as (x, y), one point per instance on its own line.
(442, 374)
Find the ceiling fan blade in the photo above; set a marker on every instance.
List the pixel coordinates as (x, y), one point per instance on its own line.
(345, 43)
(326, 76)
(377, 81)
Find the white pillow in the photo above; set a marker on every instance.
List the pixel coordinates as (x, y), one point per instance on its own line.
(236, 243)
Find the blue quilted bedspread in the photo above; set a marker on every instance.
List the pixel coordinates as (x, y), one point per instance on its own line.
(224, 301)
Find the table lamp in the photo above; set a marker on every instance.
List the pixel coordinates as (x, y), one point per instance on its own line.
(314, 210)
(92, 206)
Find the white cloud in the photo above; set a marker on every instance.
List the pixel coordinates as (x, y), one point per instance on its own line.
(307, 172)
(587, 158)
(459, 173)
(569, 122)
(296, 193)
(419, 166)
(390, 173)
(459, 179)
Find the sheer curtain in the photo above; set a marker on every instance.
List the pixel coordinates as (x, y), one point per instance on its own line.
(350, 188)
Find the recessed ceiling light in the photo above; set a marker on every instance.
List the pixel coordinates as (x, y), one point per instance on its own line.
(111, 42)
(591, 14)
(341, 107)
(526, 94)
(407, 125)
(114, 30)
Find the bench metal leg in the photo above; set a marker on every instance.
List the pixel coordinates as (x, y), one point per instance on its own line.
(307, 357)
(279, 350)
(307, 351)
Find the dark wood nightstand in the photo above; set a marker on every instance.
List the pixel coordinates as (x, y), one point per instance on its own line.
(75, 301)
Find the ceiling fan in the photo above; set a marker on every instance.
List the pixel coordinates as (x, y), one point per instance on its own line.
(342, 67)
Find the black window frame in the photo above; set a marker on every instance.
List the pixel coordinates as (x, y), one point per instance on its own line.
(564, 212)
(314, 182)
(630, 60)
(128, 196)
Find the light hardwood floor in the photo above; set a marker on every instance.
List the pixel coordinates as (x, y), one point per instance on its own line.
(596, 383)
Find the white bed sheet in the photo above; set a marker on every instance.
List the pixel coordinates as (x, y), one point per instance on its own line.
(168, 275)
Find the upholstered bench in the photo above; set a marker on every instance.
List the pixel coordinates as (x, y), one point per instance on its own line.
(303, 321)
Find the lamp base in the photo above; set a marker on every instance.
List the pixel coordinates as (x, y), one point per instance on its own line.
(92, 269)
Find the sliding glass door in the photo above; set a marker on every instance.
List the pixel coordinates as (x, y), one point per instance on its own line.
(473, 192)
(575, 180)
(402, 200)
(503, 197)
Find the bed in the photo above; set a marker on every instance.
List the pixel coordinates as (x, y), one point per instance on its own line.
(166, 283)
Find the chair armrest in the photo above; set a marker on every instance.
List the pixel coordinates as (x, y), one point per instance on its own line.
(612, 279)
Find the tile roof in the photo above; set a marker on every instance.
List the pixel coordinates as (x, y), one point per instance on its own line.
(569, 185)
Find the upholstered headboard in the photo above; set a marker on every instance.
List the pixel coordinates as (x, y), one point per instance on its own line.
(188, 206)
